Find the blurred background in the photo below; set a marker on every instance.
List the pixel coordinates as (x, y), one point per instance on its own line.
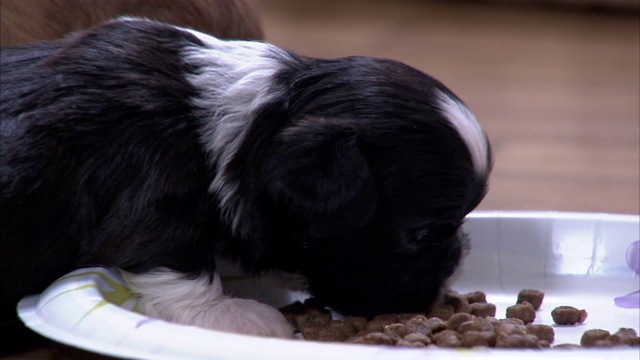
(555, 84)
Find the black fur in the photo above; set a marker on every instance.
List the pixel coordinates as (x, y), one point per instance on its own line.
(354, 177)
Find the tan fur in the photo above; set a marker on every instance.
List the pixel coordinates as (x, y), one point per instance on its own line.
(27, 21)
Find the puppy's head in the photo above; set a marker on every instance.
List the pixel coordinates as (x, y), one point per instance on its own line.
(367, 181)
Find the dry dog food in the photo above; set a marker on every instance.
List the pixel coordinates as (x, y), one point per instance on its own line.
(533, 297)
(568, 315)
(524, 311)
(460, 321)
(602, 338)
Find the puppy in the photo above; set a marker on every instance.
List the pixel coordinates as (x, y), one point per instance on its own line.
(154, 149)
(28, 21)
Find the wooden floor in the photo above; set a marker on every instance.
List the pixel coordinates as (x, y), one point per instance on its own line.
(557, 91)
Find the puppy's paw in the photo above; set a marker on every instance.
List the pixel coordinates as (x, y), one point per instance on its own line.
(245, 316)
(168, 295)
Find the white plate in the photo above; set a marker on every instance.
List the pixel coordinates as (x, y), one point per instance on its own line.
(577, 259)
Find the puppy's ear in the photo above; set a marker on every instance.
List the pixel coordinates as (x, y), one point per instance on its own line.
(316, 168)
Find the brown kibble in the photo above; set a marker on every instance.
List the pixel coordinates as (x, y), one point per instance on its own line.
(478, 338)
(543, 344)
(458, 302)
(626, 332)
(358, 323)
(476, 297)
(533, 297)
(516, 341)
(524, 312)
(625, 336)
(413, 344)
(334, 331)
(478, 324)
(606, 343)
(419, 324)
(474, 326)
(374, 338)
(436, 324)
(404, 317)
(443, 312)
(412, 337)
(510, 328)
(378, 323)
(483, 309)
(590, 337)
(514, 321)
(447, 338)
(396, 331)
(312, 319)
(568, 315)
(456, 319)
(542, 332)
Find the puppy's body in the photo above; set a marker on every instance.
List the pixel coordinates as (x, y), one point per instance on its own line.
(154, 149)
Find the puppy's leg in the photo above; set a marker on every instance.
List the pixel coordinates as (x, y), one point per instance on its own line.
(169, 295)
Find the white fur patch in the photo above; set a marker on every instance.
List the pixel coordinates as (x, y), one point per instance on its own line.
(168, 295)
(235, 79)
(463, 120)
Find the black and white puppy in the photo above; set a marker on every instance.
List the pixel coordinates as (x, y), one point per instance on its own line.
(154, 149)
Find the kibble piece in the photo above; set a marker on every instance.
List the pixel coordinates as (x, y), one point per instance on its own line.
(626, 332)
(511, 321)
(590, 337)
(533, 297)
(358, 323)
(509, 328)
(443, 312)
(419, 324)
(314, 318)
(412, 337)
(477, 324)
(374, 338)
(458, 302)
(483, 309)
(456, 319)
(476, 297)
(478, 338)
(516, 341)
(524, 312)
(606, 343)
(404, 317)
(405, 343)
(436, 324)
(542, 332)
(544, 344)
(447, 338)
(625, 336)
(378, 323)
(568, 315)
(334, 332)
(396, 331)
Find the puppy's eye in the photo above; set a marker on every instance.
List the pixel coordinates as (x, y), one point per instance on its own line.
(429, 234)
(413, 236)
